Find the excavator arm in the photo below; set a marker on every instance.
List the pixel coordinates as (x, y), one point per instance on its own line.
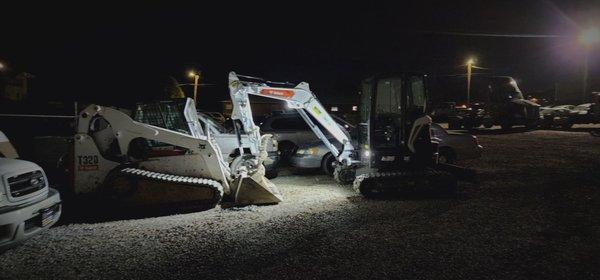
(300, 98)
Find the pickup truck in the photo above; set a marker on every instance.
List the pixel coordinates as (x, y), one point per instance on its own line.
(27, 204)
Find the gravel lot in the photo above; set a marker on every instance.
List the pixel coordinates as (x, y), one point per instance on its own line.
(533, 214)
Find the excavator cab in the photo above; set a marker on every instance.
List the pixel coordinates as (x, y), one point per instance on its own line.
(390, 107)
(395, 147)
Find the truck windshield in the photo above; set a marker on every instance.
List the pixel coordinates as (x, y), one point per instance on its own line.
(506, 88)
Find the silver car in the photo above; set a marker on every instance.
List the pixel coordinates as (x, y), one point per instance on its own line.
(228, 143)
(452, 147)
(292, 132)
(315, 155)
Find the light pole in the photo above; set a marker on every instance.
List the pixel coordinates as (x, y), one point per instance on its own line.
(196, 77)
(588, 39)
(470, 63)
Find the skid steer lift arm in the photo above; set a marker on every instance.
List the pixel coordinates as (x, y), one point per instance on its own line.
(300, 98)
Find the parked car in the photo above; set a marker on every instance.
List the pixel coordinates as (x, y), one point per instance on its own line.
(582, 114)
(315, 155)
(551, 116)
(291, 131)
(455, 146)
(27, 204)
(452, 146)
(228, 143)
(441, 111)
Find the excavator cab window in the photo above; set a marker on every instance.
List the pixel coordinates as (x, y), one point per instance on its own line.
(385, 104)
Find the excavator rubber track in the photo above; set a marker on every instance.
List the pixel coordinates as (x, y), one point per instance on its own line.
(431, 181)
(139, 187)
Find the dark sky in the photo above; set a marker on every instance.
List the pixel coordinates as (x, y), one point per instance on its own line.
(110, 53)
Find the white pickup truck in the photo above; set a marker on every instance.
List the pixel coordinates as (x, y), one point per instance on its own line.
(27, 204)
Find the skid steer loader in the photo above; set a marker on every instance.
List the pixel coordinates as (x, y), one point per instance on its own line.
(395, 151)
(138, 164)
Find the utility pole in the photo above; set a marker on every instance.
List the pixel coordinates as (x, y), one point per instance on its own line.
(588, 38)
(585, 76)
(470, 63)
(196, 76)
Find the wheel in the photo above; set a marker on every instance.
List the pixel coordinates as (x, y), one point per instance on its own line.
(328, 164)
(506, 124)
(488, 125)
(566, 125)
(447, 156)
(287, 150)
(454, 125)
(344, 175)
(272, 174)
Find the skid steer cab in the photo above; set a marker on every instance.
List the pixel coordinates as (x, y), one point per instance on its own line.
(163, 156)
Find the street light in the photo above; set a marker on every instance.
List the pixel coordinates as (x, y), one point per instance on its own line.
(196, 77)
(2, 66)
(588, 38)
(470, 63)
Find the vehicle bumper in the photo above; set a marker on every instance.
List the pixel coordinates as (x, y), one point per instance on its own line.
(306, 161)
(22, 222)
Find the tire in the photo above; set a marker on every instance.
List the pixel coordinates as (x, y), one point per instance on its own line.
(454, 125)
(488, 125)
(287, 150)
(447, 156)
(328, 164)
(272, 174)
(506, 124)
(344, 175)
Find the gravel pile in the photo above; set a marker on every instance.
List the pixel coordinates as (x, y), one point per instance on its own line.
(532, 215)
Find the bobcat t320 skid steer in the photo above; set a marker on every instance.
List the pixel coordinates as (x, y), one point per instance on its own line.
(138, 164)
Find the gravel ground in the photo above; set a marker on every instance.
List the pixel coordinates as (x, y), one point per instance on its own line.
(533, 214)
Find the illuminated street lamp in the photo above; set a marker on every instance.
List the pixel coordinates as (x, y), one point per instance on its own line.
(588, 38)
(196, 76)
(470, 64)
(2, 66)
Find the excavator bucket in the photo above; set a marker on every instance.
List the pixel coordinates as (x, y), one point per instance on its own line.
(255, 190)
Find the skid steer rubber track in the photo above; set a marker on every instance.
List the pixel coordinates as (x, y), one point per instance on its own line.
(430, 181)
(138, 187)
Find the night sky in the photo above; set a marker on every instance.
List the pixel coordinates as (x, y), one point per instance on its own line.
(125, 53)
